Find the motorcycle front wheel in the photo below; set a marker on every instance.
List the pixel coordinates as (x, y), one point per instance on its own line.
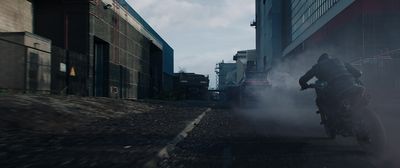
(330, 132)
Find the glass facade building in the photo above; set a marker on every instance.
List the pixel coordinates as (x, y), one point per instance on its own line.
(306, 17)
(363, 33)
(306, 12)
(283, 25)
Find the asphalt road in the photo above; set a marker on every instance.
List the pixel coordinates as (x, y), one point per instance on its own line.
(173, 135)
(55, 131)
(225, 138)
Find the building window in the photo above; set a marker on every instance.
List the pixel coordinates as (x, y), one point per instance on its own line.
(306, 12)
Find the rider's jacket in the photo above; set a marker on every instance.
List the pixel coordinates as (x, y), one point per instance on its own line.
(340, 76)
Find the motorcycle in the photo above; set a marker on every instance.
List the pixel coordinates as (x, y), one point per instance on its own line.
(350, 117)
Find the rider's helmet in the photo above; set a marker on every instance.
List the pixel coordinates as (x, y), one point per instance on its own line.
(323, 57)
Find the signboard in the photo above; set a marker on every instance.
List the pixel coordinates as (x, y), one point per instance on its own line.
(114, 90)
(63, 67)
(72, 72)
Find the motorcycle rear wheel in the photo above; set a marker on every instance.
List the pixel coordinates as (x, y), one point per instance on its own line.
(370, 134)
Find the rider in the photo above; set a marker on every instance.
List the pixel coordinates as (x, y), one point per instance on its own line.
(340, 77)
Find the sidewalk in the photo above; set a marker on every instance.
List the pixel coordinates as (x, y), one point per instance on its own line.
(53, 131)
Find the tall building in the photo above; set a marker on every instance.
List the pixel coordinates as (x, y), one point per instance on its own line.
(226, 75)
(269, 18)
(306, 18)
(245, 62)
(362, 32)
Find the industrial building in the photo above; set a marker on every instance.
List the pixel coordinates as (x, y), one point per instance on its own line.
(362, 32)
(231, 74)
(245, 63)
(231, 77)
(25, 62)
(98, 47)
(191, 86)
(25, 57)
(226, 75)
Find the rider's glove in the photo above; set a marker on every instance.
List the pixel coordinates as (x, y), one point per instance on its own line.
(304, 87)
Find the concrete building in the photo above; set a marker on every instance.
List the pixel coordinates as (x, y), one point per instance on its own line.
(25, 62)
(25, 57)
(269, 28)
(16, 16)
(191, 86)
(245, 62)
(107, 48)
(231, 74)
(226, 75)
(362, 32)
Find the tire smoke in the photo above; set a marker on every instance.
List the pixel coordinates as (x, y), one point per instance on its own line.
(284, 110)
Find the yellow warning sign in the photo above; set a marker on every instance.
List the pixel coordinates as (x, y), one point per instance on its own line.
(72, 72)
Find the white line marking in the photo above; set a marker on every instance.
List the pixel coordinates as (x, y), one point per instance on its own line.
(164, 152)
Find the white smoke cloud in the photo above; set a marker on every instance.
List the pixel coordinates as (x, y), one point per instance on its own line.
(284, 110)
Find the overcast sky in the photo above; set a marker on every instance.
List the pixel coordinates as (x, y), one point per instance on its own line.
(202, 32)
